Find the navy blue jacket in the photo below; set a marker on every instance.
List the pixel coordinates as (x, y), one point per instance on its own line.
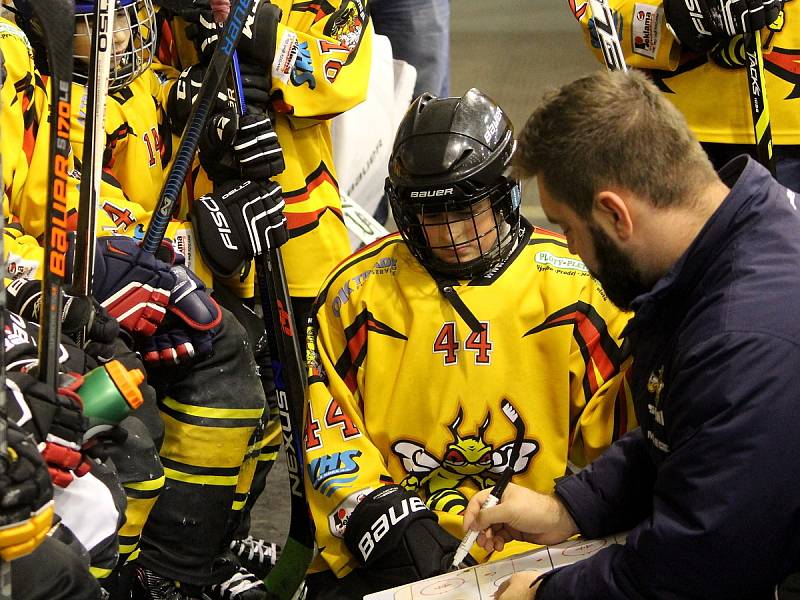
(710, 483)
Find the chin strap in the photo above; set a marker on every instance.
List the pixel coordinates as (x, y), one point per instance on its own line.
(447, 289)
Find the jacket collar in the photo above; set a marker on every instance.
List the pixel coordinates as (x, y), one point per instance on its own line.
(747, 180)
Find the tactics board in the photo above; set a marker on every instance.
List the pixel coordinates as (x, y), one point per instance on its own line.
(481, 582)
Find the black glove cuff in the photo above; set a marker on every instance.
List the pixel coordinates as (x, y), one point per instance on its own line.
(377, 525)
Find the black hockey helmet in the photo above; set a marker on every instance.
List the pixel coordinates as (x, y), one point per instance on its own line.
(134, 21)
(448, 169)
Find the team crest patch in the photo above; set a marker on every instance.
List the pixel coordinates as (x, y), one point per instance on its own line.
(347, 23)
(437, 475)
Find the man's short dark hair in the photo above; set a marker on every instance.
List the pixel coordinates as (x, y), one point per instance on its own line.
(612, 129)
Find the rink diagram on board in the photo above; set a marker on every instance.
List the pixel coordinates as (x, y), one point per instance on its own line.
(481, 582)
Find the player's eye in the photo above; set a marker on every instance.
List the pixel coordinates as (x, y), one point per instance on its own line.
(454, 457)
(486, 459)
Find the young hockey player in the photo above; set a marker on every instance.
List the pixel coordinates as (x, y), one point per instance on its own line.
(303, 63)
(689, 49)
(469, 345)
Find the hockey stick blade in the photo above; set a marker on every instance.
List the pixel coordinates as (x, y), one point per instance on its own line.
(215, 74)
(58, 22)
(607, 36)
(360, 223)
(759, 106)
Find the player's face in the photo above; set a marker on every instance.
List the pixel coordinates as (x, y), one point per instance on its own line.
(606, 261)
(120, 38)
(461, 236)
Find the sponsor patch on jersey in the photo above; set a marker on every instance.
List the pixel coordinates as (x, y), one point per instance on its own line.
(560, 263)
(384, 266)
(328, 473)
(184, 244)
(18, 267)
(646, 29)
(337, 520)
(285, 56)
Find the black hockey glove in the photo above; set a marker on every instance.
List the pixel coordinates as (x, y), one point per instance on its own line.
(397, 539)
(699, 24)
(58, 421)
(257, 44)
(240, 147)
(77, 313)
(183, 95)
(256, 86)
(238, 221)
(26, 494)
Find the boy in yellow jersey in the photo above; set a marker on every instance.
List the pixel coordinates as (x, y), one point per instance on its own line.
(427, 343)
(303, 63)
(694, 52)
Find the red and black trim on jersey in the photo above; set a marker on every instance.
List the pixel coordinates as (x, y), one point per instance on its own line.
(303, 222)
(597, 346)
(356, 350)
(319, 8)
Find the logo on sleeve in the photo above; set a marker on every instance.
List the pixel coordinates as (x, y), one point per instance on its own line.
(646, 30)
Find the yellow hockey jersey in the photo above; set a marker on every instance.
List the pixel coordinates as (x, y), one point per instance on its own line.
(714, 99)
(25, 139)
(136, 160)
(402, 390)
(321, 69)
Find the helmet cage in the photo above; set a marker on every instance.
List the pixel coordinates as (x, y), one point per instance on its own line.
(457, 212)
(134, 18)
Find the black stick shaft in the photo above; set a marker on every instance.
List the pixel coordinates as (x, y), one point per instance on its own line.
(58, 21)
(215, 74)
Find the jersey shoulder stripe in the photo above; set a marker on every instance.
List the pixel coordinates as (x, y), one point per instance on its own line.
(364, 254)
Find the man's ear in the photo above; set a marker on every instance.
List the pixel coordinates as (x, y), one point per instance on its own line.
(613, 213)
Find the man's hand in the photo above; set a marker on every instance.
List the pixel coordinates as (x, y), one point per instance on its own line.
(131, 284)
(26, 496)
(522, 514)
(238, 221)
(520, 586)
(699, 24)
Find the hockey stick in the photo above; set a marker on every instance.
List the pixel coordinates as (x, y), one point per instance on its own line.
(359, 222)
(286, 577)
(215, 73)
(758, 100)
(58, 22)
(607, 36)
(93, 147)
(5, 566)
